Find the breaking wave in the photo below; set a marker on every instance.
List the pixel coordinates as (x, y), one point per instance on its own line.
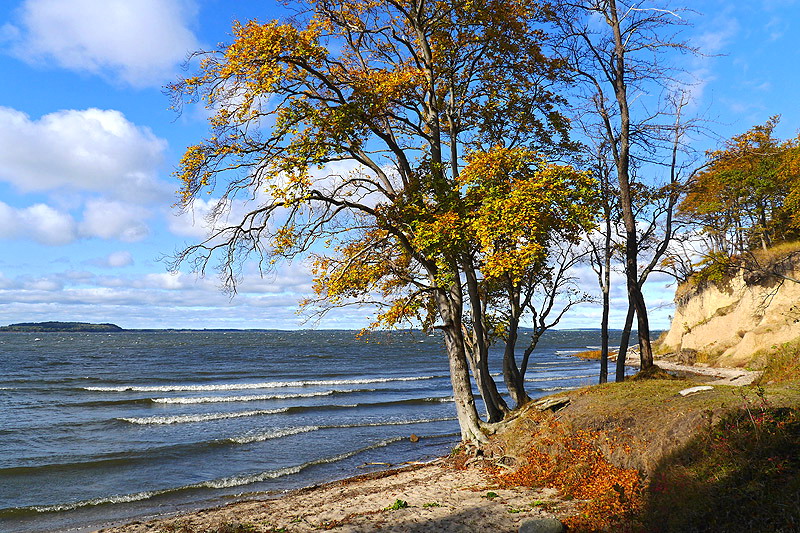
(261, 385)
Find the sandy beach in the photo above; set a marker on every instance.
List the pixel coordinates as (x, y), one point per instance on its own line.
(439, 496)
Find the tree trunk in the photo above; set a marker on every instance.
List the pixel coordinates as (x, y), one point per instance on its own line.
(511, 374)
(605, 286)
(450, 305)
(467, 413)
(635, 297)
(623, 345)
(496, 407)
(604, 338)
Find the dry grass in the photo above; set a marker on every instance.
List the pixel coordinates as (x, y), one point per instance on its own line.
(782, 365)
(637, 456)
(775, 253)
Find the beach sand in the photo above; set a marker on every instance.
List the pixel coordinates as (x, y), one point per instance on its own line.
(440, 496)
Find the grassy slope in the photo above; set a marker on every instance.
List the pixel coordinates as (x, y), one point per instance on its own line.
(721, 460)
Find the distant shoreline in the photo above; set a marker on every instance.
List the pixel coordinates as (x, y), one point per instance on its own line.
(60, 327)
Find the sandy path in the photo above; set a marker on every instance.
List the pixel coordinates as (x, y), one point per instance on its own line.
(440, 498)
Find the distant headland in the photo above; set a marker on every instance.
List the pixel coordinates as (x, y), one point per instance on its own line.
(60, 326)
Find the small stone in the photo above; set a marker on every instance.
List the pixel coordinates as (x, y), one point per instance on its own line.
(541, 525)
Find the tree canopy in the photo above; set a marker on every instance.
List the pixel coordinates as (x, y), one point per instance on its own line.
(414, 138)
(747, 195)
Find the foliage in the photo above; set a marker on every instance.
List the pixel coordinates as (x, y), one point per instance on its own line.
(398, 504)
(410, 139)
(745, 198)
(576, 464)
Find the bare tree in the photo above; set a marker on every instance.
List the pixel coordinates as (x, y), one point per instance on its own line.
(617, 51)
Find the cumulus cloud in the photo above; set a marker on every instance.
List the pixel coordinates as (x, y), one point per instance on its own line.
(101, 219)
(38, 222)
(140, 43)
(114, 220)
(87, 150)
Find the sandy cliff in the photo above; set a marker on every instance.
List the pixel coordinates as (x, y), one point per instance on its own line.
(735, 320)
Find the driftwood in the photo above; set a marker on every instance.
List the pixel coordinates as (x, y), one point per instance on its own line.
(553, 404)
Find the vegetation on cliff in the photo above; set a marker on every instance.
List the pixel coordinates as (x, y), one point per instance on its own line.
(718, 460)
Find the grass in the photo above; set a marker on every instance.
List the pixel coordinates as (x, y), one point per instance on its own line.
(783, 364)
(637, 456)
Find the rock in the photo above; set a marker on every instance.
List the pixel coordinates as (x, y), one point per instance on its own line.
(692, 390)
(413, 438)
(541, 525)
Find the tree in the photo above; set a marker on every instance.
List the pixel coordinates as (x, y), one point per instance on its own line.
(438, 117)
(615, 50)
(738, 201)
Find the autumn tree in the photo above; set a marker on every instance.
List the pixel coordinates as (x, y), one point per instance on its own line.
(739, 202)
(409, 137)
(618, 52)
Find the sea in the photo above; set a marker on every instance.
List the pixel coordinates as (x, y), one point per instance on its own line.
(103, 428)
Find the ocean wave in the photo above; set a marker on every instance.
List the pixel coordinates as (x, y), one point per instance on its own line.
(261, 385)
(390, 423)
(560, 378)
(180, 419)
(237, 481)
(234, 481)
(254, 398)
(125, 498)
(274, 434)
(553, 389)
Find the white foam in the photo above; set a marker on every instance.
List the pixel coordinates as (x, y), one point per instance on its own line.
(261, 385)
(274, 434)
(251, 398)
(181, 419)
(392, 423)
(561, 378)
(439, 399)
(125, 498)
(553, 389)
(272, 474)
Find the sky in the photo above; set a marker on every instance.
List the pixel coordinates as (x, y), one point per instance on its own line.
(88, 145)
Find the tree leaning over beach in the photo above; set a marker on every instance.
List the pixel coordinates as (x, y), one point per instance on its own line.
(406, 147)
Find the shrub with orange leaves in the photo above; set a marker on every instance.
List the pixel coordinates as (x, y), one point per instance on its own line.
(575, 463)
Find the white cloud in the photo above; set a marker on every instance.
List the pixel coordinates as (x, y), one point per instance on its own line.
(101, 219)
(166, 281)
(114, 220)
(120, 259)
(140, 42)
(39, 222)
(87, 150)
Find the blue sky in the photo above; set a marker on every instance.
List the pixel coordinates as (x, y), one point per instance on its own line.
(87, 146)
